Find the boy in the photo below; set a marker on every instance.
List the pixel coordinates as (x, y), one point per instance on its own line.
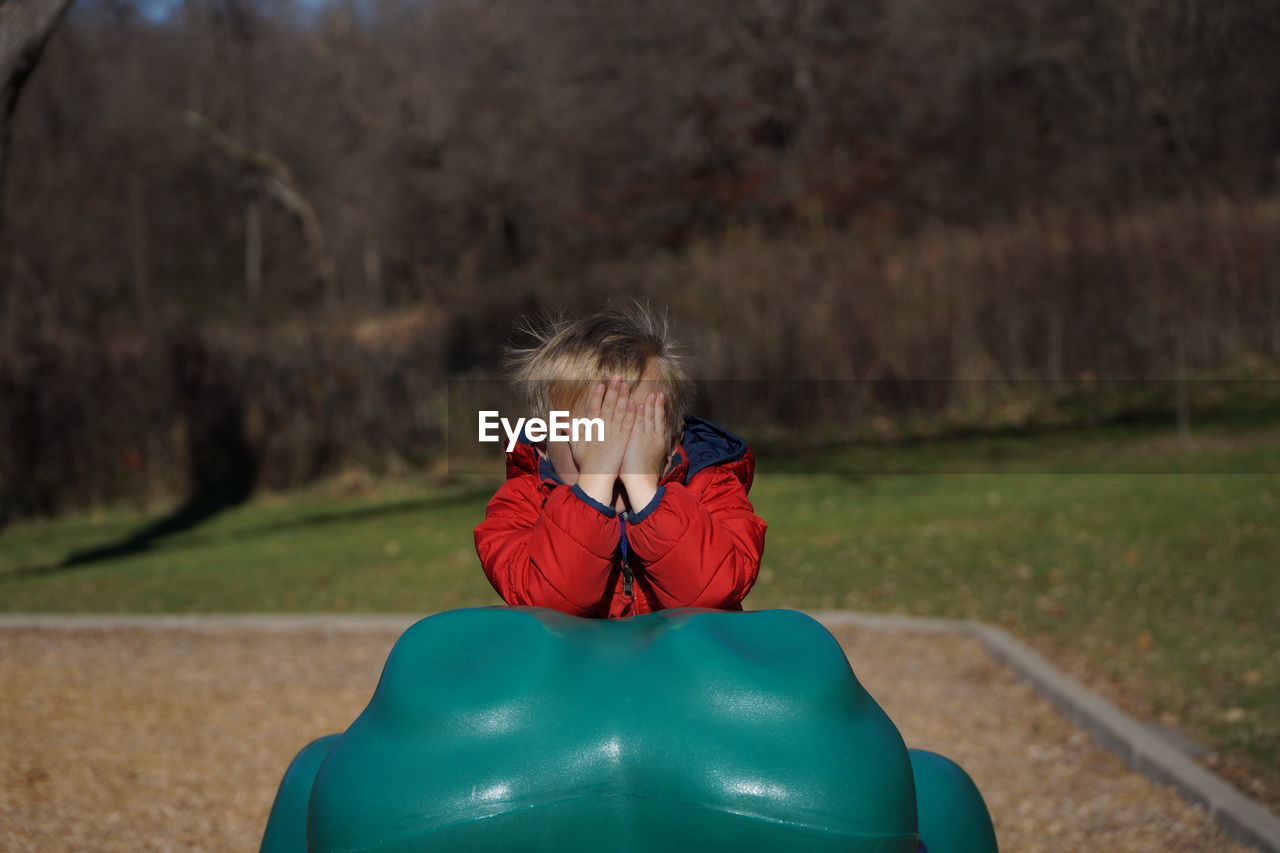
(654, 515)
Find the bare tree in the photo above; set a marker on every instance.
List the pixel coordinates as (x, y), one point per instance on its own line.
(277, 181)
(25, 26)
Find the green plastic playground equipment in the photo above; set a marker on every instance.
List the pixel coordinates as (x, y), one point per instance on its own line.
(523, 728)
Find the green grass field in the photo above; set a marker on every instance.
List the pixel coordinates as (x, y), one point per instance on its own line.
(1166, 585)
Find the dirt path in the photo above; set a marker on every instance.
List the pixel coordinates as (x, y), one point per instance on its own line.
(138, 740)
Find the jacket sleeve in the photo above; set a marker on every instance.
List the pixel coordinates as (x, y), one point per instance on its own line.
(700, 544)
(558, 554)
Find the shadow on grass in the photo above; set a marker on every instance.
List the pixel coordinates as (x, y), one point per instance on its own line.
(223, 464)
(321, 519)
(197, 511)
(189, 515)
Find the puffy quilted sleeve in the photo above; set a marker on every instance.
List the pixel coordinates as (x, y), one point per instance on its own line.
(555, 554)
(699, 545)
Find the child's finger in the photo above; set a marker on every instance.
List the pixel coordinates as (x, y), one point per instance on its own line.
(650, 404)
(610, 398)
(660, 413)
(629, 416)
(624, 397)
(595, 400)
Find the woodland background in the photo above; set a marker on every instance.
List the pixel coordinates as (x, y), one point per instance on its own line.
(245, 244)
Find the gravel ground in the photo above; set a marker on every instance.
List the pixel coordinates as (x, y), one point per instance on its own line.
(137, 740)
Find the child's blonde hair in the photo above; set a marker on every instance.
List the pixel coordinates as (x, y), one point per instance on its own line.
(570, 355)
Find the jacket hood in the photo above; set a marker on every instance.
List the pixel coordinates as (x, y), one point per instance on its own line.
(705, 444)
(702, 445)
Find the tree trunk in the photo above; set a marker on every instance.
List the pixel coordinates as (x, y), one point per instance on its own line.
(253, 248)
(140, 250)
(25, 26)
(373, 272)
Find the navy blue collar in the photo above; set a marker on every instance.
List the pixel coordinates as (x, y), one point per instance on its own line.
(547, 471)
(706, 444)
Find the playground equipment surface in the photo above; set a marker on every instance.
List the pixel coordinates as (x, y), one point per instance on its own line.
(139, 739)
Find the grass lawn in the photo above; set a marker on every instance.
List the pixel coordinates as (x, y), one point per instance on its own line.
(1162, 588)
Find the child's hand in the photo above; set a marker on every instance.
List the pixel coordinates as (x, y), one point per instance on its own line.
(647, 452)
(600, 461)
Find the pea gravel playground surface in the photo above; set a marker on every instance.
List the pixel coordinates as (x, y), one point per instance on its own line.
(141, 739)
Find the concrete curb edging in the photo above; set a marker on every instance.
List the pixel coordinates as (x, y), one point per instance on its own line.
(1139, 746)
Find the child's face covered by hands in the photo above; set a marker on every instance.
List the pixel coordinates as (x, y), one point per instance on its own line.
(636, 443)
(612, 404)
(650, 443)
(649, 446)
(599, 461)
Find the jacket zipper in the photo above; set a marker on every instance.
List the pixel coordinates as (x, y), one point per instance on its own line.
(626, 555)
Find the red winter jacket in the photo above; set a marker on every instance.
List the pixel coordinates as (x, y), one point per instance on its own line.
(697, 544)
